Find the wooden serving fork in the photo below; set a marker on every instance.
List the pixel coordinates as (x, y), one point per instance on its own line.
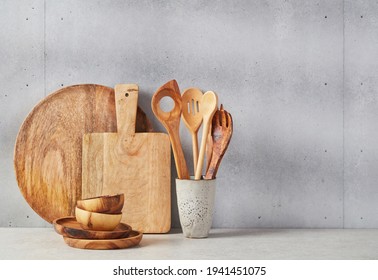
(222, 127)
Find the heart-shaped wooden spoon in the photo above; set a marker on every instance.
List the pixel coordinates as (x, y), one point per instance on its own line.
(208, 107)
(192, 116)
(171, 122)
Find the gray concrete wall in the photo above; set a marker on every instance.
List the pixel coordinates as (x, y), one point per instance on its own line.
(299, 78)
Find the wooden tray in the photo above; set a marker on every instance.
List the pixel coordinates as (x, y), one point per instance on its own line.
(106, 244)
(68, 226)
(48, 149)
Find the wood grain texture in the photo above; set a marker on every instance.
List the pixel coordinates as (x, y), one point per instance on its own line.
(222, 128)
(70, 227)
(136, 164)
(209, 148)
(192, 116)
(97, 221)
(106, 244)
(209, 106)
(48, 149)
(103, 204)
(171, 122)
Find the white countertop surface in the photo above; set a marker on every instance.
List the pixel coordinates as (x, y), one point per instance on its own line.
(258, 244)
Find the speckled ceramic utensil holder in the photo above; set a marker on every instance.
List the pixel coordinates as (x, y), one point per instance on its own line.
(195, 199)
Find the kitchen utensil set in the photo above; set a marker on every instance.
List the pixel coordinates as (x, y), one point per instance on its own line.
(95, 144)
(195, 108)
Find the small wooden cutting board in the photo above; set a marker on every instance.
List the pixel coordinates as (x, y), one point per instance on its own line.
(136, 164)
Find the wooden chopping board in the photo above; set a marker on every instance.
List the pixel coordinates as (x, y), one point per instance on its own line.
(48, 149)
(136, 164)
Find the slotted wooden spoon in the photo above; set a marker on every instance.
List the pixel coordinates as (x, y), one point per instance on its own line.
(222, 127)
(208, 106)
(192, 116)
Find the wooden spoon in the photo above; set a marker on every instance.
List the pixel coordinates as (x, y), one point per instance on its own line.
(192, 116)
(171, 122)
(209, 106)
(222, 128)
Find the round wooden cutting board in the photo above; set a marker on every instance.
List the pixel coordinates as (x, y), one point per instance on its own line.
(48, 149)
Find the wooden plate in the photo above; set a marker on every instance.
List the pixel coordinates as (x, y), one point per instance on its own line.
(106, 244)
(68, 226)
(48, 149)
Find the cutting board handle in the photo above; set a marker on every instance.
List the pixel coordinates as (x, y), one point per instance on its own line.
(126, 101)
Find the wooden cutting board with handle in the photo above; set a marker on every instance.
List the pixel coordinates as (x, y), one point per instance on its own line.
(136, 164)
(48, 148)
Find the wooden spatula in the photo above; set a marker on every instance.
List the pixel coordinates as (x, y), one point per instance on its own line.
(136, 164)
(222, 128)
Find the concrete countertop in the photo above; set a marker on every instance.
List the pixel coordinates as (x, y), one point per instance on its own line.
(264, 244)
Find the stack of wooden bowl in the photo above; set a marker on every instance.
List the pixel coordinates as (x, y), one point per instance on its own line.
(97, 225)
(100, 213)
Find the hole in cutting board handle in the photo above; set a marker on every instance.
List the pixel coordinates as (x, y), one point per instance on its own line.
(127, 94)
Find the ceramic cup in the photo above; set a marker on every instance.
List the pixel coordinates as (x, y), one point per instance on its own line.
(195, 199)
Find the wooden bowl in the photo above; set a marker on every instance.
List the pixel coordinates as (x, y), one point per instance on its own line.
(97, 221)
(68, 226)
(103, 204)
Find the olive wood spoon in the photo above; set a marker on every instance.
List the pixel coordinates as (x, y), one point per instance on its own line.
(171, 122)
(222, 127)
(192, 116)
(208, 106)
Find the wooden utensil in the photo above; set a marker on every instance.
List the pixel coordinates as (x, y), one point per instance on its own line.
(136, 164)
(171, 122)
(97, 221)
(103, 204)
(209, 148)
(132, 240)
(192, 116)
(222, 128)
(48, 149)
(70, 227)
(208, 107)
